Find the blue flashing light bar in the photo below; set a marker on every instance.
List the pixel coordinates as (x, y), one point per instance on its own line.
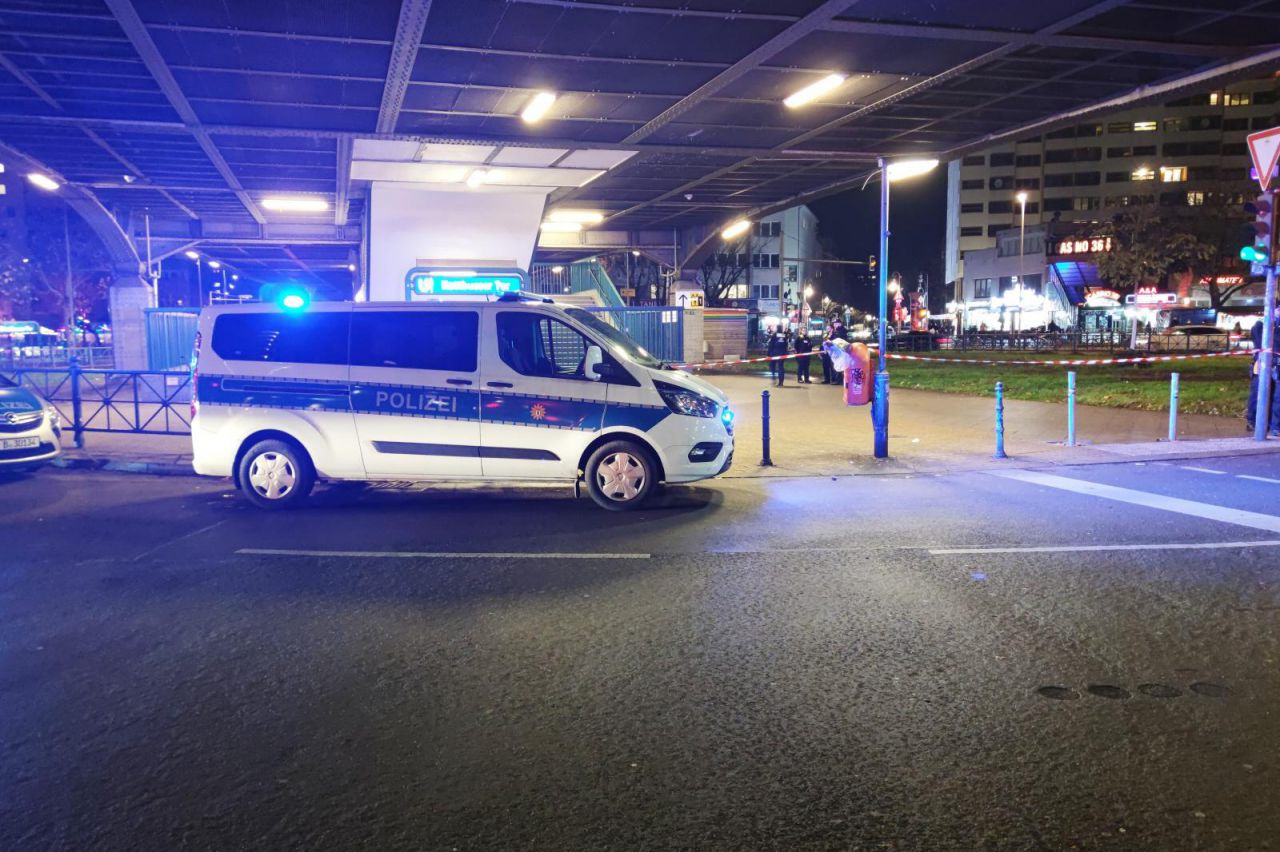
(450, 282)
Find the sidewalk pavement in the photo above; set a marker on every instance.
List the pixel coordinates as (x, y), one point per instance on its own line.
(813, 433)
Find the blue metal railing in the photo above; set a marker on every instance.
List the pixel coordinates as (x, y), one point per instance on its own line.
(171, 335)
(151, 402)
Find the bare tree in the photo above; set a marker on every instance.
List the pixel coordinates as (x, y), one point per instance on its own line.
(720, 272)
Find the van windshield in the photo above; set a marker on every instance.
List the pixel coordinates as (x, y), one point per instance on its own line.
(621, 344)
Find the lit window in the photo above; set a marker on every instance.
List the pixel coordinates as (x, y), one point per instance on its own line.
(1214, 98)
(1142, 173)
(1145, 126)
(1238, 99)
(3, 189)
(1195, 199)
(1172, 174)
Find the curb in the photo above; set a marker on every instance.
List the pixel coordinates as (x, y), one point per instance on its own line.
(155, 468)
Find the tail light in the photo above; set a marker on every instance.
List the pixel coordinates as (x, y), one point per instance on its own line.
(195, 377)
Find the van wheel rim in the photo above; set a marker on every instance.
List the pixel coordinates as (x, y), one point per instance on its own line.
(272, 476)
(620, 477)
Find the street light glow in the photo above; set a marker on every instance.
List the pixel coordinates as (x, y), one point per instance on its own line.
(213, 264)
(194, 255)
(556, 270)
(561, 227)
(1022, 197)
(903, 169)
(537, 108)
(295, 204)
(477, 178)
(43, 181)
(813, 91)
(737, 228)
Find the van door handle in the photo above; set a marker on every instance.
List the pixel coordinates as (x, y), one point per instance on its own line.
(458, 381)
(500, 384)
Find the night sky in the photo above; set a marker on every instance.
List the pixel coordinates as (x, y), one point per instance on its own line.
(917, 220)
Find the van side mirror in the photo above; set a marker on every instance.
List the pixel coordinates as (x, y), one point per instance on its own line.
(592, 363)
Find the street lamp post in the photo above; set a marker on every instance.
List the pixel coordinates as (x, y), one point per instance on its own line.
(1022, 251)
(880, 401)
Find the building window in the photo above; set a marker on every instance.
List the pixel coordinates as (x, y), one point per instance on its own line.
(1215, 98)
(764, 291)
(992, 230)
(1057, 204)
(1000, 207)
(974, 160)
(982, 288)
(1059, 155)
(1265, 97)
(1031, 282)
(1026, 161)
(1064, 133)
(1232, 124)
(971, 184)
(1086, 203)
(768, 229)
(764, 261)
(1088, 130)
(1143, 173)
(1088, 178)
(1262, 122)
(1132, 151)
(1237, 99)
(1173, 174)
(975, 207)
(1202, 173)
(1002, 159)
(1027, 183)
(1003, 182)
(1117, 177)
(1234, 149)
(1145, 126)
(1066, 179)
(1195, 199)
(971, 231)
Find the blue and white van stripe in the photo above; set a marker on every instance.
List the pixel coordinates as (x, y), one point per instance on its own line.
(547, 412)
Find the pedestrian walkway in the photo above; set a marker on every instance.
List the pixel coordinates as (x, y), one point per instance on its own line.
(815, 434)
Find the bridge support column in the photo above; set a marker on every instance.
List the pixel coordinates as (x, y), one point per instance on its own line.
(128, 299)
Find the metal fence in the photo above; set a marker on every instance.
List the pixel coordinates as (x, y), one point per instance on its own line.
(659, 330)
(23, 357)
(1071, 341)
(581, 276)
(148, 402)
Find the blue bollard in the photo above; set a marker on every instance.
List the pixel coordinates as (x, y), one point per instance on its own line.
(1000, 421)
(1173, 406)
(764, 422)
(77, 422)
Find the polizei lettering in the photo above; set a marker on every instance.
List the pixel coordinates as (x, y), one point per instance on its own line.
(419, 402)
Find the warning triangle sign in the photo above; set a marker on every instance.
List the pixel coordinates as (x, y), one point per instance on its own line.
(1264, 148)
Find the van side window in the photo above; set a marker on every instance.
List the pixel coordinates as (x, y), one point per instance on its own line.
(416, 340)
(537, 345)
(305, 338)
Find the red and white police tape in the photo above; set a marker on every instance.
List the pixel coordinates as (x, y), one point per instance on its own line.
(1060, 362)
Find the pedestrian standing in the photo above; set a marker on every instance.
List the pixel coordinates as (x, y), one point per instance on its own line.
(777, 347)
(829, 374)
(1251, 412)
(805, 346)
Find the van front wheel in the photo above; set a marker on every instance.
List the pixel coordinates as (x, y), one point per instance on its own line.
(621, 475)
(276, 475)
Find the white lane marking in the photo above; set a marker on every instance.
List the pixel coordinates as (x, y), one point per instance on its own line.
(1089, 548)
(1240, 517)
(404, 554)
(182, 537)
(1203, 469)
(1258, 478)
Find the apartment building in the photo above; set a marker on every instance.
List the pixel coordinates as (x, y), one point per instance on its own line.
(776, 260)
(1172, 154)
(13, 228)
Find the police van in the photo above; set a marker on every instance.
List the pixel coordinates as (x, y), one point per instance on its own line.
(507, 389)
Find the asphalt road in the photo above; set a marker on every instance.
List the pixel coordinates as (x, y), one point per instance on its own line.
(749, 664)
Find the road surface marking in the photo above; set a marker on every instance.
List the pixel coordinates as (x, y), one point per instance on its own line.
(182, 537)
(1203, 469)
(1258, 478)
(1240, 517)
(404, 554)
(1087, 548)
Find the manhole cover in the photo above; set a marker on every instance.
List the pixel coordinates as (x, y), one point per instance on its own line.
(1059, 693)
(1159, 690)
(1102, 690)
(1210, 690)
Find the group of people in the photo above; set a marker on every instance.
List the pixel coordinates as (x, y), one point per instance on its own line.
(782, 342)
(1251, 414)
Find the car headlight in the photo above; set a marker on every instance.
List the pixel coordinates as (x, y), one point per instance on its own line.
(683, 401)
(51, 414)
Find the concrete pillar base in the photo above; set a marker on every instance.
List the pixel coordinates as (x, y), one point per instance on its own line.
(129, 298)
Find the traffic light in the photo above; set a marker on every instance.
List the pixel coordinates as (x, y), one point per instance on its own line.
(1262, 250)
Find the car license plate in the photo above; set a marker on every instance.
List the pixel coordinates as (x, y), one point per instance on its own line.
(19, 443)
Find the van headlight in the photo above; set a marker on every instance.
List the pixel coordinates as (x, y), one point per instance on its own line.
(683, 401)
(51, 414)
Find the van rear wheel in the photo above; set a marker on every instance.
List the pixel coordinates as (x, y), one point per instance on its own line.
(621, 475)
(276, 475)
